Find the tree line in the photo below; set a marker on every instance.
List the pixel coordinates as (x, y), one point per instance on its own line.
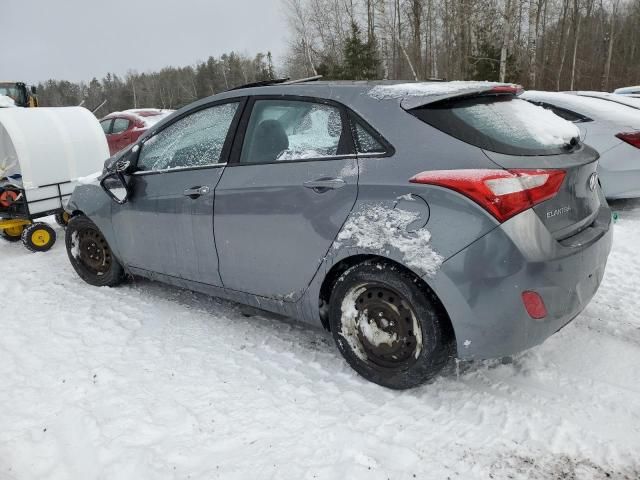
(541, 44)
(171, 87)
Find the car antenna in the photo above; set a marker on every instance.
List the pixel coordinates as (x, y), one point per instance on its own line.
(262, 83)
(303, 80)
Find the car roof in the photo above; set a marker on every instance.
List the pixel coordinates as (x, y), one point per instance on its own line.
(358, 93)
(612, 97)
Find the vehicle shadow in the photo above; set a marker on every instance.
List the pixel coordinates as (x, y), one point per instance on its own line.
(626, 205)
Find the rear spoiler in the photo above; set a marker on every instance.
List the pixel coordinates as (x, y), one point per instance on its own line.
(474, 89)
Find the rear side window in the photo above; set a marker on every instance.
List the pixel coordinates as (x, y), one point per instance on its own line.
(281, 130)
(501, 124)
(566, 114)
(364, 139)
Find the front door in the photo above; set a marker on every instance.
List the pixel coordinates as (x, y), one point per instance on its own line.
(167, 224)
(282, 202)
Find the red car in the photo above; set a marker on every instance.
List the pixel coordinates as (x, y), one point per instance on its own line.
(124, 128)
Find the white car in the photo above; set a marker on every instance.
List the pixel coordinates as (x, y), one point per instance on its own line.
(611, 128)
(628, 100)
(634, 91)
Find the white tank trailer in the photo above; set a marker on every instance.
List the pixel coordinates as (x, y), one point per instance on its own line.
(43, 153)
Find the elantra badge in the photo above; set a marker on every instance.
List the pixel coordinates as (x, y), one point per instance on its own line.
(558, 211)
(593, 181)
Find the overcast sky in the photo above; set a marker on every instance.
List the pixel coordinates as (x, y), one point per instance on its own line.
(80, 39)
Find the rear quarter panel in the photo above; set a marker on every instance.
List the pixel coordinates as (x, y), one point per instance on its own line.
(451, 220)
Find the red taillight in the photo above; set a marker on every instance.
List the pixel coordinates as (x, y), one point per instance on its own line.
(514, 89)
(632, 138)
(534, 305)
(503, 193)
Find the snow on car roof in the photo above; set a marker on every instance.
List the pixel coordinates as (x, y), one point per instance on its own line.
(148, 116)
(414, 94)
(148, 112)
(423, 89)
(627, 90)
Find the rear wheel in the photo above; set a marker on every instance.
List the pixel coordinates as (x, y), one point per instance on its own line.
(38, 237)
(90, 254)
(12, 234)
(387, 328)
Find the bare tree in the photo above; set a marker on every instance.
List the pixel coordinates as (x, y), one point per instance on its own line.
(612, 35)
(506, 37)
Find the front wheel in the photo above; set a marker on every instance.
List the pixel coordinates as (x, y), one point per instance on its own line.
(388, 329)
(90, 254)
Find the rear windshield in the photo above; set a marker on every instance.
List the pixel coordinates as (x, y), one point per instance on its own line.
(501, 124)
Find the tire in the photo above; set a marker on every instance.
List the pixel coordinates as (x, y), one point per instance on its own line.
(13, 234)
(90, 254)
(403, 340)
(38, 237)
(62, 219)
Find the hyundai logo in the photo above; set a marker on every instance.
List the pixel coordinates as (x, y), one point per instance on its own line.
(593, 181)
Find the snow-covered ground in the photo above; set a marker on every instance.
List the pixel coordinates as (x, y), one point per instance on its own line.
(151, 382)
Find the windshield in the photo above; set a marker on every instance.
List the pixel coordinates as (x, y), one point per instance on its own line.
(501, 124)
(14, 92)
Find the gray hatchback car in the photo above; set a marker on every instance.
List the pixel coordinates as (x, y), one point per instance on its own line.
(417, 222)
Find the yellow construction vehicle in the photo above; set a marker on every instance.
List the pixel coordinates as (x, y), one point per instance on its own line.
(19, 93)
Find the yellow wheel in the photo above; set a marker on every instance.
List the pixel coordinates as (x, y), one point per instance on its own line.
(12, 234)
(38, 237)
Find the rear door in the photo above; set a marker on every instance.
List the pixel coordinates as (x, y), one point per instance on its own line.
(283, 199)
(167, 224)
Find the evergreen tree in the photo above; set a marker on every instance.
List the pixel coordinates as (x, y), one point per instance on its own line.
(361, 60)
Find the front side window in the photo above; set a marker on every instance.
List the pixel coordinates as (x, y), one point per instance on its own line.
(281, 130)
(196, 140)
(106, 126)
(120, 125)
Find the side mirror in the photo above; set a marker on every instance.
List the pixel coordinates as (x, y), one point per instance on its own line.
(123, 165)
(33, 90)
(116, 187)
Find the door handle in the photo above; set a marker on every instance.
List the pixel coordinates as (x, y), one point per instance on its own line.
(322, 185)
(195, 192)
